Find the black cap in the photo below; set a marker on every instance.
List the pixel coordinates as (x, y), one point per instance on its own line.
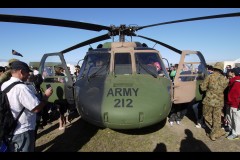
(19, 65)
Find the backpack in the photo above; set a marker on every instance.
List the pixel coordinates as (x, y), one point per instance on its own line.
(8, 123)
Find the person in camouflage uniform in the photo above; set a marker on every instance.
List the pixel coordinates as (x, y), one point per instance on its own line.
(7, 75)
(214, 85)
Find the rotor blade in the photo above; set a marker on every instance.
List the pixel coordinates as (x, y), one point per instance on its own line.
(193, 19)
(93, 40)
(161, 43)
(52, 22)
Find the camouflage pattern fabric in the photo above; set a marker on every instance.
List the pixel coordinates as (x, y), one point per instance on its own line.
(5, 76)
(214, 85)
(212, 116)
(213, 102)
(10, 61)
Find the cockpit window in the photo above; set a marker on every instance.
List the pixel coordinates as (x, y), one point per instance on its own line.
(148, 63)
(123, 63)
(96, 64)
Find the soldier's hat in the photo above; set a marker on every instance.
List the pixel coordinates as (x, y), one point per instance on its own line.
(10, 61)
(219, 65)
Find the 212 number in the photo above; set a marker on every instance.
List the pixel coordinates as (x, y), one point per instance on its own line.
(123, 103)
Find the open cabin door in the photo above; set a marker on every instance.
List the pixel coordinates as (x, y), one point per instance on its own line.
(62, 83)
(190, 73)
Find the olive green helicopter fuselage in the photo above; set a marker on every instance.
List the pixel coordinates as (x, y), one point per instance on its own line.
(126, 90)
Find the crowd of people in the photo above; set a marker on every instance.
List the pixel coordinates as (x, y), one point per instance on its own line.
(28, 95)
(22, 96)
(219, 109)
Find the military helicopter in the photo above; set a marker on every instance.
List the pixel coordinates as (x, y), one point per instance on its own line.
(121, 85)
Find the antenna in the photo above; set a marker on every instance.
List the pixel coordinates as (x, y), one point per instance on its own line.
(154, 45)
(90, 48)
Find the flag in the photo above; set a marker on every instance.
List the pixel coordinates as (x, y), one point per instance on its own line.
(16, 53)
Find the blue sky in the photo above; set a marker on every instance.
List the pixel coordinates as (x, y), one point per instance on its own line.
(217, 39)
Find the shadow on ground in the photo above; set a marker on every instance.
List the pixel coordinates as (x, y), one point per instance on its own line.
(191, 144)
(145, 130)
(76, 135)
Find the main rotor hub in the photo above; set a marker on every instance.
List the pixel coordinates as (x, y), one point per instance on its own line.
(122, 31)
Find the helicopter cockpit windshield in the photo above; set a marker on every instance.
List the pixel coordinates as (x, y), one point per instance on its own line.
(148, 63)
(97, 64)
(123, 64)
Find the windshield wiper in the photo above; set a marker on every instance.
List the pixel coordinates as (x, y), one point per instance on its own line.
(145, 68)
(100, 69)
